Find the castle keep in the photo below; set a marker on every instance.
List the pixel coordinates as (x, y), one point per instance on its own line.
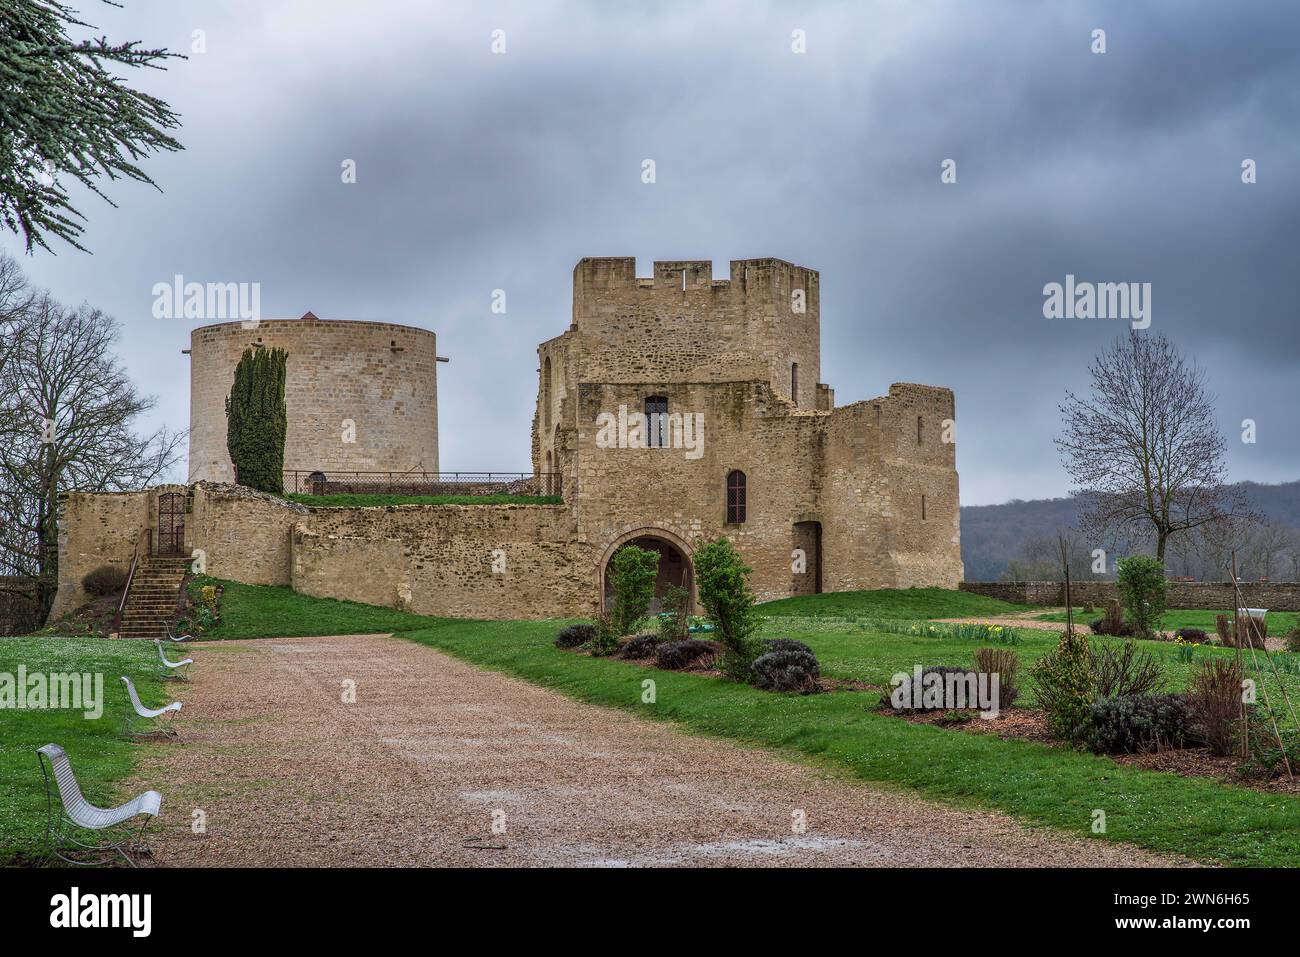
(359, 396)
(817, 498)
(674, 408)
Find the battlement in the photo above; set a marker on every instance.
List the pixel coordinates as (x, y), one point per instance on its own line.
(750, 277)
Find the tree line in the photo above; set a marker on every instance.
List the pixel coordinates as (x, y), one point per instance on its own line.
(69, 417)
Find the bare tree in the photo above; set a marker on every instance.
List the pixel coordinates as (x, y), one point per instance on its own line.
(67, 417)
(1144, 448)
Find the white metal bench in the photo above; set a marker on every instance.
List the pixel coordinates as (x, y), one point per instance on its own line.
(140, 721)
(78, 814)
(174, 670)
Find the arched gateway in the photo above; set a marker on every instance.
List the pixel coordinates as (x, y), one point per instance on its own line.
(675, 566)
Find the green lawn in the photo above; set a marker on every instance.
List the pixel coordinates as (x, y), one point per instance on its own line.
(1278, 622)
(912, 603)
(266, 611)
(1038, 784)
(367, 500)
(100, 754)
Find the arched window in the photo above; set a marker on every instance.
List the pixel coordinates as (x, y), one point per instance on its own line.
(735, 497)
(656, 421)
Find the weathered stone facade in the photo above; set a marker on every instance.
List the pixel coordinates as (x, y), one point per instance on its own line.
(360, 396)
(860, 496)
(874, 483)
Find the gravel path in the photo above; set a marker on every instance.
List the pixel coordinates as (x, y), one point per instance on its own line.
(415, 770)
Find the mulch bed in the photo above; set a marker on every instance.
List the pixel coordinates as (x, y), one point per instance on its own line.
(704, 666)
(1030, 724)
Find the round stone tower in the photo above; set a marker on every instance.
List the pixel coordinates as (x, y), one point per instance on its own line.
(360, 396)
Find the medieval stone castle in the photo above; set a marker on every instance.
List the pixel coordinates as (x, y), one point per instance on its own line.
(673, 409)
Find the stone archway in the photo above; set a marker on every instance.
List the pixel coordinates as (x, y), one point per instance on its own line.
(675, 565)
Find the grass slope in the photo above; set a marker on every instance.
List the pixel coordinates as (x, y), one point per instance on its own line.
(266, 611)
(100, 754)
(912, 603)
(362, 499)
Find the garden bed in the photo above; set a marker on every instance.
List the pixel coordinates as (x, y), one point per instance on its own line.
(1030, 724)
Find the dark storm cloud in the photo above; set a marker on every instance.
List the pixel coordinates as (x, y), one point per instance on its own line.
(478, 172)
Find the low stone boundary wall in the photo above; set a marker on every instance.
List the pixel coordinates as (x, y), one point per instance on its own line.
(1275, 596)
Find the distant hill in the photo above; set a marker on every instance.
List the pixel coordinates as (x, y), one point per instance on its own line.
(993, 535)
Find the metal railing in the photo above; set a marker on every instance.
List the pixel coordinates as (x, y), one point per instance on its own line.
(145, 538)
(329, 482)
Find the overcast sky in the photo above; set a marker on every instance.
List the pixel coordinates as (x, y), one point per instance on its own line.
(478, 171)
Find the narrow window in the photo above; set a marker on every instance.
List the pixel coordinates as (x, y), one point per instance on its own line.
(919, 420)
(794, 382)
(546, 395)
(656, 421)
(735, 497)
(923, 508)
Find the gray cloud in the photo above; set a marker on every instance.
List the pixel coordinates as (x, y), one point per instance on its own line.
(478, 172)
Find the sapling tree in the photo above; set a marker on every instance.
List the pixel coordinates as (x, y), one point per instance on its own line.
(632, 573)
(725, 594)
(1140, 580)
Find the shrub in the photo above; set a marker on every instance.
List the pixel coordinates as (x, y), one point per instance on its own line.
(1292, 639)
(642, 646)
(1224, 630)
(1121, 669)
(1193, 636)
(676, 655)
(1249, 632)
(784, 644)
(1112, 623)
(605, 641)
(1132, 723)
(787, 669)
(104, 580)
(575, 635)
(1063, 679)
(675, 619)
(904, 697)
(1214, 696)
(1004, 663)
(725, 595)
(1266, 757)
(1141, 583)
(208, 596)
(632, 573)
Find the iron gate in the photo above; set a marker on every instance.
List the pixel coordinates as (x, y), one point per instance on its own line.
(171, 523)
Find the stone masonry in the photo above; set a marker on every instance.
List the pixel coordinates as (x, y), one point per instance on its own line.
(835, 498)
(360, 396)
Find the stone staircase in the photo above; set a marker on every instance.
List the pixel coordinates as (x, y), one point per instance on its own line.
(150, 609)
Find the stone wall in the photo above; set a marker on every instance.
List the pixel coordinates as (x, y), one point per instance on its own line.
(96, 528)
(1276, 596)
(431, 559)
(380, 376)
(851, 470)
(470, 561)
